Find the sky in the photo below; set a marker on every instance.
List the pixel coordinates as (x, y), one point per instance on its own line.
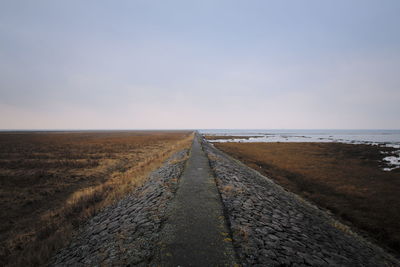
(148, 64)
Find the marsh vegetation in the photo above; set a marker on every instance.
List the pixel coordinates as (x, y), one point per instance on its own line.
(53, 181)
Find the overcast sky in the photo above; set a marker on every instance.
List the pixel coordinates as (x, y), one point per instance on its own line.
(199, 64)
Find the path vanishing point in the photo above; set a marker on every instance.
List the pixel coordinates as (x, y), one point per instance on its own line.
(196, 233)
(203, 208)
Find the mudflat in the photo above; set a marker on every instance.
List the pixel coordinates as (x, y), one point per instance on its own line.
(345, 179)
(219, 137)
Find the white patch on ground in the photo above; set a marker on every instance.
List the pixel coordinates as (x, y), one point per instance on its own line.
(393, 162)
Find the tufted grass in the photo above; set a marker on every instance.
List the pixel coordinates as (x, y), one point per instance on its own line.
(51, 182)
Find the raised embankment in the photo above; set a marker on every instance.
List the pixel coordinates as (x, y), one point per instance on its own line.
(172, 221)
(127, 233)
(195, 233)
(272, 227)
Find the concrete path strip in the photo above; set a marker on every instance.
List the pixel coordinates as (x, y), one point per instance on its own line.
(195, 233)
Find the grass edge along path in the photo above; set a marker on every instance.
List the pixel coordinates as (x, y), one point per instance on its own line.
(83, 204)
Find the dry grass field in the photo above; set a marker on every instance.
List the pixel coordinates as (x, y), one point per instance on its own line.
(50, 182)
(343, 178)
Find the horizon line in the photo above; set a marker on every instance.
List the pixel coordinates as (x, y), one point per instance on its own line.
(191, 129)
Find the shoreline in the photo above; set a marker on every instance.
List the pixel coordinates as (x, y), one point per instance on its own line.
(390, 158)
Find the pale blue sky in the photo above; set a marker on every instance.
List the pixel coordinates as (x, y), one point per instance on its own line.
(199, 64)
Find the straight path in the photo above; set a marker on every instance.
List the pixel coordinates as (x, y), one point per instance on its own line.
(195, 233)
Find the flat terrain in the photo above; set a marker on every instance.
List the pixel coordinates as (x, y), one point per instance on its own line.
(52, 181)
(345, 179)
(218, 137)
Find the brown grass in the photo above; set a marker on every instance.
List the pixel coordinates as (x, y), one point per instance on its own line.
(345, 179)
(52, 182)
(230, 189)
(244, 233)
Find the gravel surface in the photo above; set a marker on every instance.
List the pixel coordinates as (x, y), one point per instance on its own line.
(126, 233)
(272, 227)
